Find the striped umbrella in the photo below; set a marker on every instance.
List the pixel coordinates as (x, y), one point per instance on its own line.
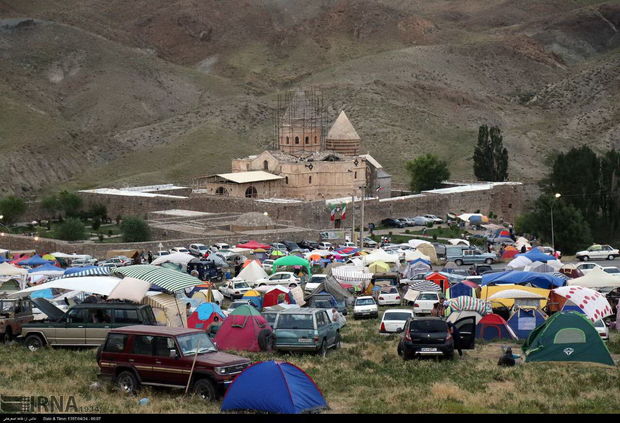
(469, 304)
(93, 271)
(422, 286)
(170, 280)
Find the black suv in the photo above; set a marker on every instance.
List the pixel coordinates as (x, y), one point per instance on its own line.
(392, 223)
(431, 336)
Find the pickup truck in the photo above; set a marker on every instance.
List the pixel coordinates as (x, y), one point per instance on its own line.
(469, 256)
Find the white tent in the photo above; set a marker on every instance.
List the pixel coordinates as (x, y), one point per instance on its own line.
(520, 242)
(518, 263)
(457, 241)
(596, 278)
(252, 272)
(130, 289)
(7, 269)
(411, 255)
(176, 258)
(380, 255)
(415, 242)
(549, 267)
(101, 285)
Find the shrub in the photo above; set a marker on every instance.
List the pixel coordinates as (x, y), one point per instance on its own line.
(71, 229)
(135, 229)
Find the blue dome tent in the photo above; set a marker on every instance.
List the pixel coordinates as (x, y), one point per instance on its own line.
(536, 255)
(524, 321)
(539, 280)
(274, 387)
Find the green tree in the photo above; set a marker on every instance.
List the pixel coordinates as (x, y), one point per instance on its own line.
(490, 156)
(51, 205)
(98, 211)
(571, 231)
(11, 208)
(427, 172)
(96, 223)
(135, 229)
(72, 229)
(70, 203)
(610, 190)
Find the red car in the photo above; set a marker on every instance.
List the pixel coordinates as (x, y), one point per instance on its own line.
(162, 356)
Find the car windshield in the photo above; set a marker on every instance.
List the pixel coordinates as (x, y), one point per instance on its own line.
(385, 281)
(322, 304)
(295, 321)
(317, 279)
(428, 326)
(270, 317)
(365, 301)
(401, 316)
(613, 270)
(195, 342)
(432, 297)
(241, 285)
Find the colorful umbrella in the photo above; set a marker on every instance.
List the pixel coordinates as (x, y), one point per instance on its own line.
(592, 303)
(465, 303)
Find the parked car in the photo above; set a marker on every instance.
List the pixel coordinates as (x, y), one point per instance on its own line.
(365, 307)
(612, 270)
(587, 266)
(551, 252)
(310, 245)
(325, 301)
(602, 329)
(83, 261)
(286, 279)
(314, 282)
(268, 265)
(394, 319)
(232, 306)
(179, 250)
(388, 296)
(431, 336)
(279, 246)
(406, 221)
(270, 316)
(422, 220)
(325, 245)
(292, 246)
(198, 249)
(368, 242)
(425, 301)
(220, 246)
(598, 252)
(348, 244)
(117, 261)
(482, 268)
(83, 324)
(234, 289)
(161, 253)
(434, 219)
(163, 356)
(306, 329)
(469, 256)
(14, 313)
(392, 223)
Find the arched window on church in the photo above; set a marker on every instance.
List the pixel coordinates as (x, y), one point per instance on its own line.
(265, 165)
(316, 140)
(287, 140)
(250, 192)
(307, 140)
(286, 180)
(309, 179)
(296, 140)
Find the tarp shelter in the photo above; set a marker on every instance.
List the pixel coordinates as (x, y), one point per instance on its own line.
(292, 261)
(524, 320)
(441, 280)
(169, 311)
(493, 326)
(536, 255)
(489, 291)
(168, 279)
(539, 280)
(176, 258)
(101, 285)
(379, 267)
(379, 255)
(206, 315)
(255, 298)
(130, 289)
(132, 254)
(460, 290)
(274, 387)
(331, 285)
(276, 295)
(47, 270)
(567, 337)
(254, 245)
(245, 330)
(593, 304)
(35, 260)
(596, 278)
(252, 272)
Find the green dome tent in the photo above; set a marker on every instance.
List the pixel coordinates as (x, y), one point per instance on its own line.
(292, 261)
(566, 336)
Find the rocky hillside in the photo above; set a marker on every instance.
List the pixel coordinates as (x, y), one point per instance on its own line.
(109, 92)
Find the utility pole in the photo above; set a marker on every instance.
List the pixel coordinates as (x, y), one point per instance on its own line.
(353, 218)
(363, 189)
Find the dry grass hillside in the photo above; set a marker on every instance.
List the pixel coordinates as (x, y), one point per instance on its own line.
(110, 92)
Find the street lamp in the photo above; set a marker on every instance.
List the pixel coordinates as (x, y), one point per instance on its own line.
(557, 195)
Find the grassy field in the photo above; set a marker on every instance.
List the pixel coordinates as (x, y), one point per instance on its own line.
(365, 376)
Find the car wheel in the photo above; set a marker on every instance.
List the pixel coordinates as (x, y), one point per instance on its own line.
(458, 262)
(323, 350)
(611, 257)
(585, 258)
(127, 382)
(34, 342)
(338, 342)
(489, 261)
(205, 389)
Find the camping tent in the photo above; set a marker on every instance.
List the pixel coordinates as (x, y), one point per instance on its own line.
(460, 290)
(571, 271)
(35, 260)
(380, 255)
(245, 330)
(551, 266)
(458, 241)
(292, 261)
(254, 297)
(596, 278)
(566, 337)
(331, 286)
(457, 315)
(416, 266)
(168, 310)
(509, 252)
(540, 280)
(274, 387)
(379, 267)
(537, 255)
(413, 255)
(508, 301)
(593, 304)
(524, 320)
(205, 315)
(252, 272)
(276, 295)
(253, 245)
(440, 279)
(521, 242)
(493, 326)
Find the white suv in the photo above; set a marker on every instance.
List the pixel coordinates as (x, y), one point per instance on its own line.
(424, 303)
(365, 307)
(198, 249)
(598, 252)
(280, 278)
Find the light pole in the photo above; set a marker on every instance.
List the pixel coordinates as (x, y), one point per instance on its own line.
(8, 230)
(363, 189)
(557, 195)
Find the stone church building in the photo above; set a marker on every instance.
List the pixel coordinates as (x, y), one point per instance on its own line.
(310, 163)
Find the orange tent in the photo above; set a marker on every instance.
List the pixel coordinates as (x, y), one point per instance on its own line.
(440, 280)
(245, 263)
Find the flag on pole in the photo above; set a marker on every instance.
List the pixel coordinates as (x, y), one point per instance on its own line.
(344, 211)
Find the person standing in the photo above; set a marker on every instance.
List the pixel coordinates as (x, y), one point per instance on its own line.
(150, 256)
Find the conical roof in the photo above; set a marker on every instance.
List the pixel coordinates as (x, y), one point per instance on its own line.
(342, 129)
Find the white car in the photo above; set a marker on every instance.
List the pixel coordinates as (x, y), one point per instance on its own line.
(325, 245)
(424, 303)
(234, 289)
(370, 243)
(612, 270)
(365, 307)
(433, 218)
(160, 253)
(598, 252)
(348, 245)
(602, 329)
(388, 295)
(268, 265)
(314, 282)
(394, 320)
(220, 246)
(198, 249)
(179, 250)
(83, 262)
(588, 266)
(117, 261)
(280, 278)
